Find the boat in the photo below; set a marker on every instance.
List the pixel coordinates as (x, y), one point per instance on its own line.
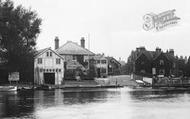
(8, 88)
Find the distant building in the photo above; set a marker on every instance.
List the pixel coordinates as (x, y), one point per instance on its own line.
(156, 62)
(114, 66)
(101, 65)
(48, 67)
(106, 66)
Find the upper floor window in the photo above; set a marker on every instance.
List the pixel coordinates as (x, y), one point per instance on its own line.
(98, 61)
(75, 58)
(161, 62)
(50, 53)
(103, 61)
(58, 61)
(103, 70)
(47, 54)
(174, 65)
(39, 60)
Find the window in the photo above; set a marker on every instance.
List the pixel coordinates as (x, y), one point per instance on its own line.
(103, 61)
(47, 54)
(58, 61)
(59, 70)
(98, 61)
(103, 70)
(161, 62)
(74, 58)
(41, 70)
(39, 60)
(174, 65)
(143, 71)
(50, 53)
(161, 71)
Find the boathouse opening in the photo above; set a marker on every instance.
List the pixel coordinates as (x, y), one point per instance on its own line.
(49, 78)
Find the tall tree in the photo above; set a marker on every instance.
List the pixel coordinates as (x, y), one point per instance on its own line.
(19, 28)
(187, 68)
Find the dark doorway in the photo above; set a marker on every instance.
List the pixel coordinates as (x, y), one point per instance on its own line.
(49, 78)
(98, 72)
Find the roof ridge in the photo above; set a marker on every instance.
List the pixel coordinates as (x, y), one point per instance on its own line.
(77, 45)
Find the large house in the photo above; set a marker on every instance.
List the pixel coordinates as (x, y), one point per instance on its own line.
(75, 55)
(76, 58)
(48, 67)
(156, 62)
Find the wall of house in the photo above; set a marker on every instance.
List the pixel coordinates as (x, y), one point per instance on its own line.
(166, 66)
(48, 66)
(143, 65)
(114, 68)
(102, 66)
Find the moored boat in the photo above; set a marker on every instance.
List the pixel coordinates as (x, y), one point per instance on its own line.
(8, 88)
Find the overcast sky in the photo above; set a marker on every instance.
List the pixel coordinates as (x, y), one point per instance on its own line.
(115, 26)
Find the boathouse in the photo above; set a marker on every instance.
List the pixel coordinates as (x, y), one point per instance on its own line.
(48, 67)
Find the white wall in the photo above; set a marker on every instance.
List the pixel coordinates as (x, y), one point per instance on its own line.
(48, 63)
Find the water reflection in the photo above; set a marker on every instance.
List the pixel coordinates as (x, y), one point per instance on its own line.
(16, 104)
(93, 104)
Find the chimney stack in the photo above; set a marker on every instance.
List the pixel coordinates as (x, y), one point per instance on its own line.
(82, 42)
(56, 42)
(158, 49)
(171, 51)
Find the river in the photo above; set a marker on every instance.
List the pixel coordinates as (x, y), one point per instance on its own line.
(116, 103)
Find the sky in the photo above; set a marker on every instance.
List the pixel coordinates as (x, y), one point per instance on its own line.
(112, 27)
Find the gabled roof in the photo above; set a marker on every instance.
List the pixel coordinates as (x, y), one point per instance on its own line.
(170, 57)
(71, 48)
(40, 52)
(148, 54)
(112, 58)
(99, 56)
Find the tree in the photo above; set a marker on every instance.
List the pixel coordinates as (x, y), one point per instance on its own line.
(187, 68)
(19, 28)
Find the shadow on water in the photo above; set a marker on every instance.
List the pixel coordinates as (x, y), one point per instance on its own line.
(16, 104)
(25, 103)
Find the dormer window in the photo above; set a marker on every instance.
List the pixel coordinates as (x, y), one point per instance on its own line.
(47, 54)
(50, 53)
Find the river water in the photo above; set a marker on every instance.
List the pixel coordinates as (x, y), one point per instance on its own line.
(116, 103)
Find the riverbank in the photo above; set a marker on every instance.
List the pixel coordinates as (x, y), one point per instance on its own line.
(109, 82)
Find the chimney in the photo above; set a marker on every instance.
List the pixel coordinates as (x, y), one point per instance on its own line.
(141, 49)
(56, 42)
(171, 51)
(158, 49)
(82, 42)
